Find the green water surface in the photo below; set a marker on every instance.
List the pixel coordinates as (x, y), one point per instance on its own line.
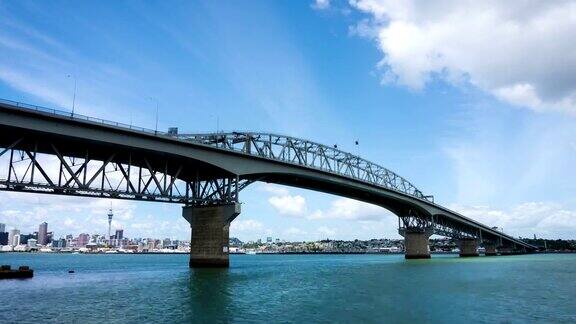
(291, 288)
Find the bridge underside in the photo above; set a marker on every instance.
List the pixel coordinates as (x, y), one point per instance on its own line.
(42, 154)
(45, 163)
(413, 218)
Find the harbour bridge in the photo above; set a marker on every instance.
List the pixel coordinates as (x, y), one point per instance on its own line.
(55, 152)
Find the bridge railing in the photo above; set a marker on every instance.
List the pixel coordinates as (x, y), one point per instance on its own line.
(68, 114)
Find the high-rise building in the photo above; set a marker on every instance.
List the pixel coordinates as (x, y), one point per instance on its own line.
(118, 237)
(2, 227)
(59, 243)
(25, 237)
(16, 240)
(82, 240)
(110, 215)
(69, 240)
(43, 234)
(3, 238)
(12, 237)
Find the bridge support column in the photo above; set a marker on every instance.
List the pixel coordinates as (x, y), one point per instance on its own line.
(210, 233)
(490, 250)
(416, 242)
(468, 247)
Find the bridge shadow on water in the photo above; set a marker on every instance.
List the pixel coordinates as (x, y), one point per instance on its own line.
(209, 294)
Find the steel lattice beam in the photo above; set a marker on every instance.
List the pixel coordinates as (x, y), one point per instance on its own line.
(109, 178)
(308, 154)
(439, 225)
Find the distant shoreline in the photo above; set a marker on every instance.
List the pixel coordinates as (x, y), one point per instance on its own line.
(265, 253)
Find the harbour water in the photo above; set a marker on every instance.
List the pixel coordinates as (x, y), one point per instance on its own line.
(290, 288)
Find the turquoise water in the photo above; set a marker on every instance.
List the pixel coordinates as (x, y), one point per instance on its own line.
(291, 288)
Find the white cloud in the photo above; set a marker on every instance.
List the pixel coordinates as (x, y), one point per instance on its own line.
(519, 51)
(349, 209)
(321, 4)
(289, 205)
(283, 202)
(340, 208)
(274, 189)
(550, 220)
(246, 225)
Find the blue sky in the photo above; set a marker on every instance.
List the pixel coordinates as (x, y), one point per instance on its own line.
(477, 110)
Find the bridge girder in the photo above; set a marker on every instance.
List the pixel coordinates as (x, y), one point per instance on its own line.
(122, 175)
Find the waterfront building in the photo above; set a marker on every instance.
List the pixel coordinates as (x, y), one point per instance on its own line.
(82, 240)
(59, 243)
(118, 237)
(25, 237)
(2, 227)
(32, 243)
(153, 244)
(69, 240)
(124, 242)
(16, 240)
(12, 237)
(20, 248)
(3, 238)
(43, 233)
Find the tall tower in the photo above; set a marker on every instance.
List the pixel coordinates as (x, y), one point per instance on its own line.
(43, 233)
(110, 215)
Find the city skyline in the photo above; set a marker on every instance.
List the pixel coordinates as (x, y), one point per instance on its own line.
(323, 73)
(119, 235)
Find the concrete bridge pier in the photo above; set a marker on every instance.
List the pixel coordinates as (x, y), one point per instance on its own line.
(210, 234)
(490, 249)
(416, 242)
(468, 247)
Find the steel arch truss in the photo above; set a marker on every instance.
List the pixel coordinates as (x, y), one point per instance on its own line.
(24, 169)
(445, 227)
(439, 225)
(309, 154)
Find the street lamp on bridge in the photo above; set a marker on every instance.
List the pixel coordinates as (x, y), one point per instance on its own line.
(157, 104)
(74, 97)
